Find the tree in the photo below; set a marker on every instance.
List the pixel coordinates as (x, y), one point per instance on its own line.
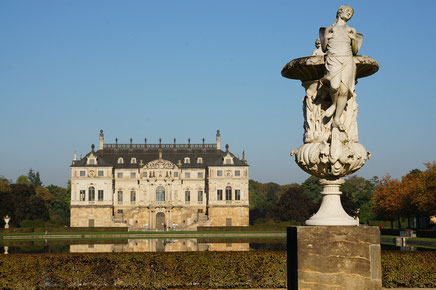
(294, 205)
(22, 179)
(389, 199)
(264, 197)
(34, 178)
(420, 191)
(356, 196)
(20, 202)
(313, 188)
(60, 203)
(4, 184)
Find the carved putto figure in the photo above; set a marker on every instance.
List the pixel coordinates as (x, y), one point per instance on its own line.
(318, 50)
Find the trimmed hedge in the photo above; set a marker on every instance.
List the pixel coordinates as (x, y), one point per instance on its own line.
(426, 234)
(16, 230)
(390, 232)
(262, 269)
(64, 229)
(145, 270)
(408, 269)
(267, 227)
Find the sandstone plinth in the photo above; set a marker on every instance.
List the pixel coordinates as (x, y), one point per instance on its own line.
(334, 257)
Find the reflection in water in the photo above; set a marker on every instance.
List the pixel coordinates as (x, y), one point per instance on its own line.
(156, 245)
(159, 245)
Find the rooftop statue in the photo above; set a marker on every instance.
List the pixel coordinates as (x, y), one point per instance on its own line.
(331, 148)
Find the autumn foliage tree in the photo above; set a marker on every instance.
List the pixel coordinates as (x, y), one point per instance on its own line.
(413, 196)
(388, 198)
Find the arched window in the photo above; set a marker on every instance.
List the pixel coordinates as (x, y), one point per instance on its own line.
(91, 193)
(228, 193)
(187, 160)
(133, 160)
(199, 160)
(120, 160)
(160, 193)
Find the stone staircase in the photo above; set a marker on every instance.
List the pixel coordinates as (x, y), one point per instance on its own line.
(202, 221)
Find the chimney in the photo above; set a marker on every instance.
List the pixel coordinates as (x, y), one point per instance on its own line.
(101, 140)
(218, 140)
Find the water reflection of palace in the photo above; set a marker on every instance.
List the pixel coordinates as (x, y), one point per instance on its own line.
(159, 245)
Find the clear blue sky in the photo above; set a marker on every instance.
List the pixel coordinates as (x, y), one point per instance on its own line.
(187, 68)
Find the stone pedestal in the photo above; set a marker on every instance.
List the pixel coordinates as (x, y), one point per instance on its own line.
(331, 212)
(334, 257)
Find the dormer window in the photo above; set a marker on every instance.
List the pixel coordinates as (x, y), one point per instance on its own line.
(199, 160)
(187, 160)
(133, 160)
(91, 161)
(228, 161)
(120, 160)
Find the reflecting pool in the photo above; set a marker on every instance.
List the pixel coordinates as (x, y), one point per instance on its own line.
(142, 245)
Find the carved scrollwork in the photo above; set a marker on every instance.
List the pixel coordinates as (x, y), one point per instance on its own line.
(160, 164)
(329, 152)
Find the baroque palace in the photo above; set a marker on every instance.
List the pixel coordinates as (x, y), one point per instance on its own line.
(159, 186)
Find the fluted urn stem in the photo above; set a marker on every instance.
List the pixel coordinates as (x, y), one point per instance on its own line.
(331, 212)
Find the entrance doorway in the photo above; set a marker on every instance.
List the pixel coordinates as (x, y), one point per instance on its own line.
(160, 221)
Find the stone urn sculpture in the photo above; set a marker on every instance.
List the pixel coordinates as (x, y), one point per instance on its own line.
(6, 219)
(331, 148)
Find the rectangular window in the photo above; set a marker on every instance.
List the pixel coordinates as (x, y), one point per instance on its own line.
(144, 174)
(120, 175)
(91, 161)
(200, 196)
(100, 195)
(82, 173)
(219, 194)
(120, 196)
(132, 196)
(237, 173)
(100, 173)
(187, 174)
(200, 174)
(187, 196)
(219, 173)
(132, 174)
(176, 174)
(228, 161)
(237, 194)
(82, 195)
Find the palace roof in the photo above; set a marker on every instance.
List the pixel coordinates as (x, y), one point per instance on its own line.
(144, 153)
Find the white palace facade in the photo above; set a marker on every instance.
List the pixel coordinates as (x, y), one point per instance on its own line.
(159, 186)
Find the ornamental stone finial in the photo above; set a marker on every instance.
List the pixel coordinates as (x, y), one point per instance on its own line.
(331, 148)
(6, 219)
